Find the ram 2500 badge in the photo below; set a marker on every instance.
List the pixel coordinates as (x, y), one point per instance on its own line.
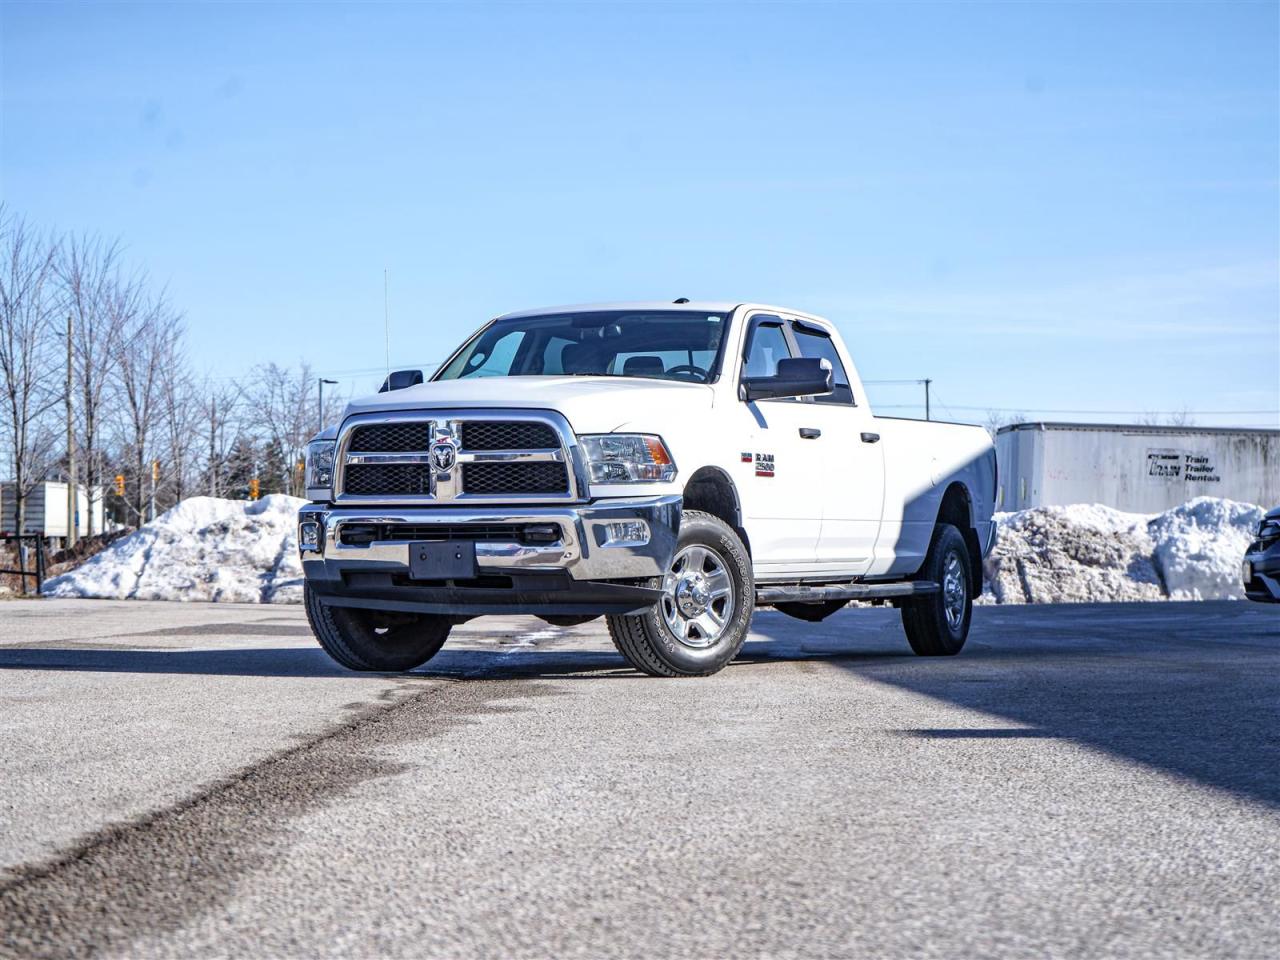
(667, 466)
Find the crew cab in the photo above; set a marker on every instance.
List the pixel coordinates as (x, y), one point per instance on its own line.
(669, 466)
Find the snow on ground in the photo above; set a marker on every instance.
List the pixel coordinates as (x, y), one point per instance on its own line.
(240, 551)
(1087, 552)
(205, 548)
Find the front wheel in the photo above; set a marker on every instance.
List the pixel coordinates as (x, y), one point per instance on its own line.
(374, 640)
(937, 624)
(702, 618)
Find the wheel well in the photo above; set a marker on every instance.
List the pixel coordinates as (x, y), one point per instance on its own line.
(711, 491)
(957, 509)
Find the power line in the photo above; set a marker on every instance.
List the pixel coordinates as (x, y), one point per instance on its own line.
(1136, 413)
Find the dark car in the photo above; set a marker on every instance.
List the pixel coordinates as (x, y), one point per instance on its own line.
(1261, 569)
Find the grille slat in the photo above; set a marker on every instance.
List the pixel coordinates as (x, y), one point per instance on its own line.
(358, 533)
(535, 477)
(508, 435)
(391, 437)
(372, 479)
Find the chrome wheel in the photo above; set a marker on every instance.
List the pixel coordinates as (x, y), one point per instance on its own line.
(697, 599)
(954, 590)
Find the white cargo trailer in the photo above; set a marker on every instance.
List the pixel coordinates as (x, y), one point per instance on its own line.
(46, 510)
(1143, 469)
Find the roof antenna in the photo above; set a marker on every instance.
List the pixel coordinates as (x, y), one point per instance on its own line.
(386, 319)
(680, 300)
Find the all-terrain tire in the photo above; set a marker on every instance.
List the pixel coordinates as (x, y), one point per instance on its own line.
(370, 640)
(647, 640)
(937, 624)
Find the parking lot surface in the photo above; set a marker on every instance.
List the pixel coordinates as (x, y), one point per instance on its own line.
(200, 780)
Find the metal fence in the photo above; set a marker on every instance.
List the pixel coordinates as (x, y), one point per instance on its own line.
(37, 573)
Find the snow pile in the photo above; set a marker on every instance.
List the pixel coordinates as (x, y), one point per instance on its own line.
(1199, 546)
(1090, 553)
(205, 548)
(238, 551)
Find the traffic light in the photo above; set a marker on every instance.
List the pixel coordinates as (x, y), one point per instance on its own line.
(253, 489)
(119, 484)
(155, 470)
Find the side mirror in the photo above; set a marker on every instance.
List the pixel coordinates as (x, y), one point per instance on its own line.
(400, 379)
(796, 377)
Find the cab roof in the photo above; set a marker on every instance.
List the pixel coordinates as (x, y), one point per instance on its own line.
(648, 306)
(639, 306)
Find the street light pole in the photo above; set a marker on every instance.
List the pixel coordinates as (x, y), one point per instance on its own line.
(320, 404)
(72, 500)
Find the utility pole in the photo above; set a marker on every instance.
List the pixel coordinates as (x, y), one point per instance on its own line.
(926, 398)
(155, 473)
(320, 404)
(72, 502)
(213, 447)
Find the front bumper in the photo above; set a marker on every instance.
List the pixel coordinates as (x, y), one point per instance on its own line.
(1262, 574)
(583, 571)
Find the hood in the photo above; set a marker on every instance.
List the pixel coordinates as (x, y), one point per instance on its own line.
(591, 404)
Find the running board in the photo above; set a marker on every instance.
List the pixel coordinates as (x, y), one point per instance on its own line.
(800, 593)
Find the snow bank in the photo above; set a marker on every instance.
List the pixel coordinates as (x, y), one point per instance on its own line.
(1199, 546)
(238, 551)
(205, 548)
(1091, 553)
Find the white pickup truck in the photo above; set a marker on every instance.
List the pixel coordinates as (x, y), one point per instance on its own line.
(670, 466)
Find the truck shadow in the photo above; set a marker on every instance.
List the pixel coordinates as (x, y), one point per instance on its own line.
(1188, 688)
(237, 662)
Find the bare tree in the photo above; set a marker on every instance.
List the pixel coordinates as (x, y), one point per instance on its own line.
(284, 403)
(220, 406)
(101, 305)
(26, 347)
(998, 418)
(146, 345)
(180, 416)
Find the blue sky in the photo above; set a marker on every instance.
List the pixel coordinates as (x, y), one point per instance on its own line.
(1040, 206)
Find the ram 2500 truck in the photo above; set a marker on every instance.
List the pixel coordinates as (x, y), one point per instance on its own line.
(669, 466)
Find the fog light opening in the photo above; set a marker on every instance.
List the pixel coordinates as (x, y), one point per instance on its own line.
(626, 533)
(309, 536)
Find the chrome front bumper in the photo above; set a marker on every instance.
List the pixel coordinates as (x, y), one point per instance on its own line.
(584, 550)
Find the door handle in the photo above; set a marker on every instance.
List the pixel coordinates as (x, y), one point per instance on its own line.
(810, 433)
(871, 438)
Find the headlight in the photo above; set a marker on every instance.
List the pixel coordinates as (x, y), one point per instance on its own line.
(319, 469)
(628, 458)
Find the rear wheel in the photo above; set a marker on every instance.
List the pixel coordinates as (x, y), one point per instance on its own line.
(702, 619)
(937, 624)
(375, 640)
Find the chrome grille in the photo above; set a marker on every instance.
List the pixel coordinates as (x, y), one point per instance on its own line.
(496, 478)
(515, 456)
(508, 435)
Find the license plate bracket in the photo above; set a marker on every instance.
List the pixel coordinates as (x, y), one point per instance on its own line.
(442, 560)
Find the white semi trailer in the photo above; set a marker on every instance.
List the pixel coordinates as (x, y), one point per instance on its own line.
(1142, 469)
(46, 510)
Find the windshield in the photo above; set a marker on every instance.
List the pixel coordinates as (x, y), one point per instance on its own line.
(664, 345)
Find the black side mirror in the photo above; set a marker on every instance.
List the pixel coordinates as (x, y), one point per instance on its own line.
(796, 377)
(400, 379)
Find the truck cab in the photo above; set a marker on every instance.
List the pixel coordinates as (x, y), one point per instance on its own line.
(667, 466)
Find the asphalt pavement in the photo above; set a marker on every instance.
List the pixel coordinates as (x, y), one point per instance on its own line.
(199, 780)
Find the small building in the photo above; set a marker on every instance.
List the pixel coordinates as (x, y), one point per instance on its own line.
(1141, 469)
(46, 510)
